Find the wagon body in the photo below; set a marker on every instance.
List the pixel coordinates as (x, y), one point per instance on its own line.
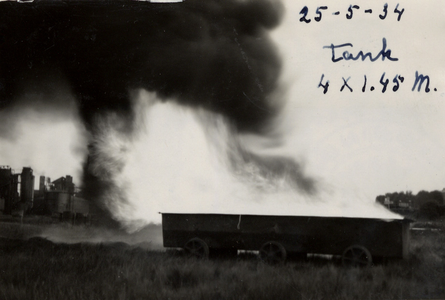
(300, 234)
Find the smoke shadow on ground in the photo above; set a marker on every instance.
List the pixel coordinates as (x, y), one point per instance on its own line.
(149, 237)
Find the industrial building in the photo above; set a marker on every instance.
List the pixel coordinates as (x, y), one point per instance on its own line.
(16, 189)
(60, 198)
(56, 198)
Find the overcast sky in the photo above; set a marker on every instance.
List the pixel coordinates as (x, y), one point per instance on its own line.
(369, 142)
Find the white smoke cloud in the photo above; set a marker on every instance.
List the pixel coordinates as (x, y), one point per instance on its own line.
(49, 139)
(177, 161)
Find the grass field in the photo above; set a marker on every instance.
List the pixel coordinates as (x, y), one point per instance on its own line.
(40, 269)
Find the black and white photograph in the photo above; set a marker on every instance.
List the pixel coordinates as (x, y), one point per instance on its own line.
(222, 149)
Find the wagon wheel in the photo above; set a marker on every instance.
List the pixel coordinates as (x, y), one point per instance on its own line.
(356, 256)
(273, 253)
(197, 248)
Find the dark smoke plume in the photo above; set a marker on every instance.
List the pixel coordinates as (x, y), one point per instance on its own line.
(212, 54)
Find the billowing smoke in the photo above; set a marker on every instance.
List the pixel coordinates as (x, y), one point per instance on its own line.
(187, 160)
(42, 129)
(212, 54)
(213, 57)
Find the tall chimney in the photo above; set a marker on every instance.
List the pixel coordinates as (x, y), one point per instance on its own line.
(69, 184)
(42, 185)
(27, 185)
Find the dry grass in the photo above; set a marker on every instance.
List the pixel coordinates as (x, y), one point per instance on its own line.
(40, 269)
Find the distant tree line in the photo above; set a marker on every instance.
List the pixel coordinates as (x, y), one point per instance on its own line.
(424, 204)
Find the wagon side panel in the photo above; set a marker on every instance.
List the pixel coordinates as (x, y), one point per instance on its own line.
(324, 235)
(218, 231)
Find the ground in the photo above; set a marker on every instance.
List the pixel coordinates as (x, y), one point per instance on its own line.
(33, 267)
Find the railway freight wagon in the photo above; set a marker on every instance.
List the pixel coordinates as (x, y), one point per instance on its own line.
(357, 240)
